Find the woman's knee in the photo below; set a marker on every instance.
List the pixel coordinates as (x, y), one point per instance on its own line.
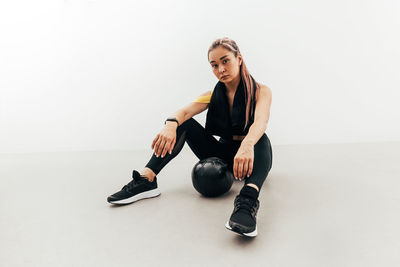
(190, 123)
(263, 144)
(263, 153)
(263, 141)
(192, 128)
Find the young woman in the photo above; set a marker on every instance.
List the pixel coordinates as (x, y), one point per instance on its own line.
(238, 112)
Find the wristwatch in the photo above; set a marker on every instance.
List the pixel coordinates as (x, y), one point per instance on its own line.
(171, 119)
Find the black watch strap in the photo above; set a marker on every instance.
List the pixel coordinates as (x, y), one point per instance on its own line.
(171, 119)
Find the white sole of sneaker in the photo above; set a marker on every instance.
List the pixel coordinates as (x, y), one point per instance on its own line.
(147, 194)
(251, 234)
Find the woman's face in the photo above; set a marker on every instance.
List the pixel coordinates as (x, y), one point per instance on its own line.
(224, 64)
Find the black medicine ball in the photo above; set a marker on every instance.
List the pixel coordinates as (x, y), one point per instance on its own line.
(211, 177)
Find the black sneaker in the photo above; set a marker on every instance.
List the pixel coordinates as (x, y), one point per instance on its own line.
(135, 190)
(243, 218)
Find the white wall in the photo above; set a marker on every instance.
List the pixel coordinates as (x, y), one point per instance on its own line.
(103, 75)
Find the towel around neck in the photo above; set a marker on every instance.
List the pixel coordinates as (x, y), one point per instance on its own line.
(219, 121)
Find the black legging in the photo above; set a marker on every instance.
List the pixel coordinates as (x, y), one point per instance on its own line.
(205, 145)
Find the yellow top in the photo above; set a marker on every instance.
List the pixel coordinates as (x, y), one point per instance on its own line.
(204, 98)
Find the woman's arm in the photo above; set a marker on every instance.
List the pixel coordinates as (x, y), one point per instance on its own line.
(165, 141)
(190, 110)
(244, 158)
(261, 116)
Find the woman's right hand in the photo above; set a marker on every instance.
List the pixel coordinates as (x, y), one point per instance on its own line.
(164, 141)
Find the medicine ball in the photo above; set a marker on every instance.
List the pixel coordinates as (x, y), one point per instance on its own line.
(211, 177)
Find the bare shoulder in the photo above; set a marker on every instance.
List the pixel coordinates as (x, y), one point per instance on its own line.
(264, 91)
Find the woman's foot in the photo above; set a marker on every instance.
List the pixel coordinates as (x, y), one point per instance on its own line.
(243, 218)
(139, 188)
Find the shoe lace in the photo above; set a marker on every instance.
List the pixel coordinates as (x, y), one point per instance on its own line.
(244, 203)
(133, 183)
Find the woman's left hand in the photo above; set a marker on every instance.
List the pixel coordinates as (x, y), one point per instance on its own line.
(243, 161)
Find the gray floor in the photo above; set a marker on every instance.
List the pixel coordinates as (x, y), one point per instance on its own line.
(321, 205)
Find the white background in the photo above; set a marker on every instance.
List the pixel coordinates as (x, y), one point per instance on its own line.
(104, 75)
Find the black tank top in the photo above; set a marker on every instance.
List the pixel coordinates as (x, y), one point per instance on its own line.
(218, 120)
